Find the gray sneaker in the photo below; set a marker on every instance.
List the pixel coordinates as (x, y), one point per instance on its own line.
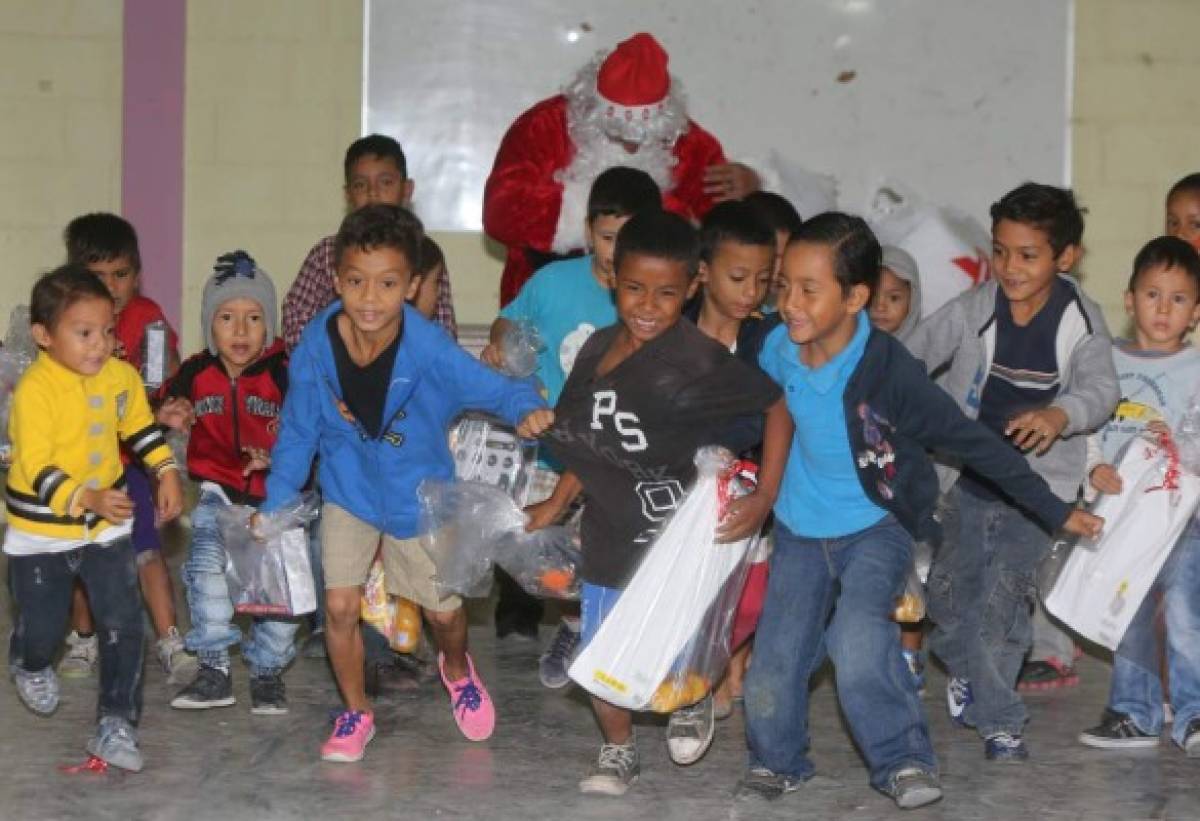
(616, 770)
(115, 741)
(553, 665)
(690, 732)
(913, 787)
(762, 783)
(38, 690)
(81, 656)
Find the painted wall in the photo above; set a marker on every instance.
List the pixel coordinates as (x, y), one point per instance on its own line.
(1136, 128)
(60, 129)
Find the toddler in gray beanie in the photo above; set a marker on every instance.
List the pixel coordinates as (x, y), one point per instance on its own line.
(236, 275)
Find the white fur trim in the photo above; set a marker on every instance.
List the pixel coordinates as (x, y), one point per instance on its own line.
(568, 233)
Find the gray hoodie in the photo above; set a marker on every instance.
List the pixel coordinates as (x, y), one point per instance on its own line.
(902, 264)
(961, 337)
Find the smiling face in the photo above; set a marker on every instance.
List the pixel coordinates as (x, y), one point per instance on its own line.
(82, 338)
(1164, 305)
(239, 333)
(811, 300)
(650, 294)
(120, 277)
(736, 281)
(1025, 265)
(374, 285)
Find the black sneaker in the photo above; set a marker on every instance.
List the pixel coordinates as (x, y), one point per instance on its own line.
(268, 696)
(210, 688)
(1191, 739)
(1005, 747)
(913, 787)
(616, 770)
(762, 783)
(1116, 731)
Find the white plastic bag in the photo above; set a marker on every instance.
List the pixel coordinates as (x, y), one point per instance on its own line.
(666, 640)
(1102, 584)
(951, 248)
(268, 570)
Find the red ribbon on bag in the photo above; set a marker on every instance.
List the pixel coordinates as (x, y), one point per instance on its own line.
(736, 481)
(1172, 473)
(92, 765)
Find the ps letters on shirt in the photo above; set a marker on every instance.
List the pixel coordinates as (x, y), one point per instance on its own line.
(631, 434)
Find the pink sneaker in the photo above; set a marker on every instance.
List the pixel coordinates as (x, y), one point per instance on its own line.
(470, 702)
(351, 733)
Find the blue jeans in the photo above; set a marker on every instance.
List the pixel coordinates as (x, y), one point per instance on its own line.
(857, 578)
(269, 648)
(981, 591)
(41, 588)
(1137, 689)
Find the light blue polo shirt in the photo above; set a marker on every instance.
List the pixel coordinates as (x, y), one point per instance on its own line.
(821, 496)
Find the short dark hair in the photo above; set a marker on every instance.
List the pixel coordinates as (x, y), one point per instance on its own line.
(1051, 210)
(622, 192)
(733, 221)
(776, 210)
(58, 290)
(1166, 252)
(101, 237)
(1188, 185)
(857, 255)
(431, 255)
(659, 234)
(375, 145)
(381, 226)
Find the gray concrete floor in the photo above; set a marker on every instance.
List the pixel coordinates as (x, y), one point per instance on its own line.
(227, 764)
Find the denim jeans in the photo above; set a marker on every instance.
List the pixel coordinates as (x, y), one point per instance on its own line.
(270, 646)
(41, 588)
(981, 591)
(857, 579)
(1137, 689)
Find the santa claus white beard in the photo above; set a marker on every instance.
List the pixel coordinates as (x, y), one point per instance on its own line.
(595, 152)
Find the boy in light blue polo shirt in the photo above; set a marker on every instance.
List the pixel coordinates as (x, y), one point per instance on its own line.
(566, 302)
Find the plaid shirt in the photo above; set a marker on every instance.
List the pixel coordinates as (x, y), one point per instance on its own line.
(313, 290)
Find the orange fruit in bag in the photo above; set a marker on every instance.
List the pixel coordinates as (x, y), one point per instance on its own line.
(679, 691)
(556, 580)
(406, 626)
(909, 609)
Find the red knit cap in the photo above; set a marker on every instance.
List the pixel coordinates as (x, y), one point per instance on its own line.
(635, 74)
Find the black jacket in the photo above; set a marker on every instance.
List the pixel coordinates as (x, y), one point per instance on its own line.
(895, 414)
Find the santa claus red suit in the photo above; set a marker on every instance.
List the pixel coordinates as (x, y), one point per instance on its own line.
(623, 108)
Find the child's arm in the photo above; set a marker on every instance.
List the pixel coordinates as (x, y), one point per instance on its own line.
(1094, 390)
(523, 306)
(747, 514)
(478, 387)
(299, 434)
(543, 514)
(929, 415)
(491, 355)
(936, 339)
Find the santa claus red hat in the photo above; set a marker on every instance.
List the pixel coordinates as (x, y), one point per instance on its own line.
(635, 74)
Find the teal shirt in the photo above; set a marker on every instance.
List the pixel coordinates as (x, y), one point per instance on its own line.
(821, 495)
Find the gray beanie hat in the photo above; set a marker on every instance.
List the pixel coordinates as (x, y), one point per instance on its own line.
(236, 275)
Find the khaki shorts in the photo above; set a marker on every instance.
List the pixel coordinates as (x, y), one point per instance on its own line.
(348, 547)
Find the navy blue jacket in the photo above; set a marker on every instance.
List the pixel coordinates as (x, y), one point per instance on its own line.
(895, 414)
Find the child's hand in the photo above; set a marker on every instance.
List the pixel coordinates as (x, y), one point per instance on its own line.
(1082, 523)
(257, 459)
(744, 517)
(1105, 479)
(169, 497)
(730, 181)
(1037, 430)
(176, 413)
(492, 357)
(542, 515)
(113, 505)
(536, 423)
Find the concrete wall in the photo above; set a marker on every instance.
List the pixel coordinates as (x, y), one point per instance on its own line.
(60, 129)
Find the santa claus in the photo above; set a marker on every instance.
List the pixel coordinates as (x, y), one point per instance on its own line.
(623, 108)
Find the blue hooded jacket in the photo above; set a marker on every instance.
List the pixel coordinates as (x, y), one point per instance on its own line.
(376, 479)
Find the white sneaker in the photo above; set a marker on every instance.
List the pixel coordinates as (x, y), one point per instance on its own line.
(690, 732)
(176, 661)
(79, 661)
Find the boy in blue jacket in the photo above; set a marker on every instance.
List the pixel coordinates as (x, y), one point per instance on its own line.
(857, 488)
(373, 389)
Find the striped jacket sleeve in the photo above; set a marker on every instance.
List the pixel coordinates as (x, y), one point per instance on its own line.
(138, 431)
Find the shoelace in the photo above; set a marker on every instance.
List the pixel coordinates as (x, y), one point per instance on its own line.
(616, 756)
(469, 697)
(346, 724)
(41, 686)
(960, 689)
(1005, 740)
(564, 643)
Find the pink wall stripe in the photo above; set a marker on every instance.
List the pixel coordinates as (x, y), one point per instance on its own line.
(152, 144)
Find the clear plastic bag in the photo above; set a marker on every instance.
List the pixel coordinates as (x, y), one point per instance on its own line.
(268, 570)
(545, 562)
(11, 368)
(490, 452)
(398, 619)
(461, 524)
(910, 607)
(668, 637)
(18, 340)
(519, 348)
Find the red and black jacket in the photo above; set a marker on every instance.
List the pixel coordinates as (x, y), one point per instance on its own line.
(231, 414)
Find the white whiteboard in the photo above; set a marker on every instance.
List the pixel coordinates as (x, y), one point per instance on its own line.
(959, 99)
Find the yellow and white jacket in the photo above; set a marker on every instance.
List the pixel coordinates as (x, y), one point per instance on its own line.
(67, 431)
